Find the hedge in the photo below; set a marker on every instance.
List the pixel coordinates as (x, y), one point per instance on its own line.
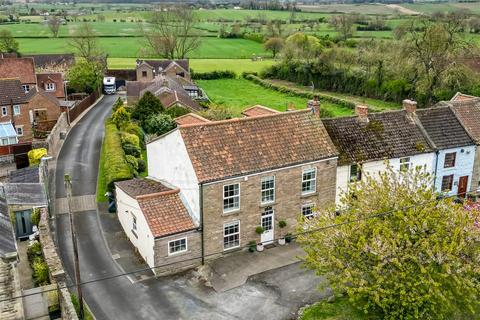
(116, 167)
(299, 92)
(212, 75)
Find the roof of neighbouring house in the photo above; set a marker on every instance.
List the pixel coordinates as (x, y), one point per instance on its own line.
(47, 60)
(462, 97)
(190, 118)
(21, 68)
(24, 175)
(162, 206)
(7, 238)
(444, 128)
(159, 65)
(56, 78)
(138, 187)
(25, 194)
(468, 112)
(38, 91)
(135, 87)
(386, 135)
(7, 130)
(229, 148)
(258, 110)
(11, 92)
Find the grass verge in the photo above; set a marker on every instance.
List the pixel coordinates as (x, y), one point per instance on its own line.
(101, 184)
(340, 309)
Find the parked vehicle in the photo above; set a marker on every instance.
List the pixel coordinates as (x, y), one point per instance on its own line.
(109, 86)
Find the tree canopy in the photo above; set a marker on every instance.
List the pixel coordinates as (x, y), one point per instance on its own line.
(408, 255)
(147, 105)
(85, 76)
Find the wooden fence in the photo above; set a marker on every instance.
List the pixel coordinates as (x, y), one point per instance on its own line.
(83, 105)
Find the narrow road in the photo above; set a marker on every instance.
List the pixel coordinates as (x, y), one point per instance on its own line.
(272, 295)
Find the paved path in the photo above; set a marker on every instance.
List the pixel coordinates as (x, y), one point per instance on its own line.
(274, 295)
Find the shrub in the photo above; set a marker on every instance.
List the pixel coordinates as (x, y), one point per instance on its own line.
(115, 166)
(176, 111)
(35, 218)
(259, 230)
(40, 272)
(252, 246)
(212, 75)
(129, 138)
(34, 251)
(142, 165)
(35, 155)
(159, 124)
(131, 150)
(217, 112)
(135, 129)
(132, 162)
(147, 106)
(121, 117)
(119, 103)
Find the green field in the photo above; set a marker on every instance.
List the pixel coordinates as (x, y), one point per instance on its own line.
(238, 94)
(349, 8)
(210, 48)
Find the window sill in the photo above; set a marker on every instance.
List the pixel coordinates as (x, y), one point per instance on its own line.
(267, 204)
(307, 195)
(231, 212)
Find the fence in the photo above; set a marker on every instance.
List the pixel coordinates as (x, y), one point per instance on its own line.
(83, 105)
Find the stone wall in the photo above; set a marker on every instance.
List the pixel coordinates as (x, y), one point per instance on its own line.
(476, 171)
(287, 205)
(56, 137)
(57, 273)
(11, 309)
(172, 263)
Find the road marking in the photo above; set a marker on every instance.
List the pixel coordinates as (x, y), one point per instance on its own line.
(79, 203)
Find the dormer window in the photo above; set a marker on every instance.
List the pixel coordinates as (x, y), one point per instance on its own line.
(50, 86)
(26, 88)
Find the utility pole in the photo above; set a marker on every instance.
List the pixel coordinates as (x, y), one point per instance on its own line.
(68, 190)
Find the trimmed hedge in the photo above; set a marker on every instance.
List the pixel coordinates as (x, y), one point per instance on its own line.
(116, 167)
(299, 92)
(212, 75)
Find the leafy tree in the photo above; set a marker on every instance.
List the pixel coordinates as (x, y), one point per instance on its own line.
(7, 42)
(301, 46)
(343, 24)
(274, 45)
(85, 76)
(84, 40)
(159, 124)
(407, 255)
(217, 112)
(54, 24)
(147, 105)
(121, 117)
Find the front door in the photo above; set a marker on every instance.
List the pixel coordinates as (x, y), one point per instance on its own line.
(462, 186)
(267, 225)
(23, 223)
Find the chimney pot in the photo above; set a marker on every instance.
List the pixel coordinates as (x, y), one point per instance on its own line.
(409, 105)
(362, 112)
(314, 106)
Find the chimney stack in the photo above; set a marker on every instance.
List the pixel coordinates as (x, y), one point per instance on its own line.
(410, 106)
(314, 106)
(362, 112)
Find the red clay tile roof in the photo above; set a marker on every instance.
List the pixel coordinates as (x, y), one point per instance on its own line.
(258, 110)
(21, 68)
(57, 78)
(462, 97)
(11, 92)
(34, 91)
(190, 118)
(165, 213)
(138, 187)
(468, 112)
(228, 148)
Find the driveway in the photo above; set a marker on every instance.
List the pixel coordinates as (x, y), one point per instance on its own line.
(275, 294)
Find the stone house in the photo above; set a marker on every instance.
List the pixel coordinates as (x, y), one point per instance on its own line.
(235, 175)
(157, 222)
(370, 142)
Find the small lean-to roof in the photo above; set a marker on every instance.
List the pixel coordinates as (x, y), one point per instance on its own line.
(386, 135)
(190, 118)
(7, 130)
(468, 112)
(229, 148)
(24, 175)
(7, 238)
(444, 128)
(258, 110)
(139, 187)
(25, 194)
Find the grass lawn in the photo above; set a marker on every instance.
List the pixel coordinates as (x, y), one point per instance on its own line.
(204, 65)
(119, 47)
(338, 310)
(238, 94)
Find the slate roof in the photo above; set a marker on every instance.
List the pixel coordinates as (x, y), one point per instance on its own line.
(386, 135)
(11, 92)
(468, 113)
(138, 187)
(57, 78)
(444, 128)
(24, 175)
(165, 213)
(21, 68)
(135, 87)
(258, 110)
(7, 238)
(159, 65)
(229, 148)
(190, 118)
(25, 193)
(48, 60)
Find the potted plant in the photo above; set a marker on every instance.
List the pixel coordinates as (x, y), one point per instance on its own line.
(282, 224)
(288, 237)
(259, 230)
(252, 246)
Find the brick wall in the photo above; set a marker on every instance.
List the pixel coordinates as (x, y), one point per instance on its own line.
(193, 251)
(287, 205)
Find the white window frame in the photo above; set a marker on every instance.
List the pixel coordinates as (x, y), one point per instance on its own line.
(20, 134)
(227, 210)
(170, 253)
(405, 164)
(314, 180)
(229, 224)
(50, 86)
(308, 205)
(16, 110)
(4, 111)
(262, 191)
(26, 88)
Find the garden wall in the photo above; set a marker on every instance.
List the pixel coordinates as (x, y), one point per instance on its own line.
(55, 139)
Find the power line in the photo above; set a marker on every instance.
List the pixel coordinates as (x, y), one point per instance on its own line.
(373, 216)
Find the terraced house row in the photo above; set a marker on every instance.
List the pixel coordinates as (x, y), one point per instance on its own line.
(212, 183)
